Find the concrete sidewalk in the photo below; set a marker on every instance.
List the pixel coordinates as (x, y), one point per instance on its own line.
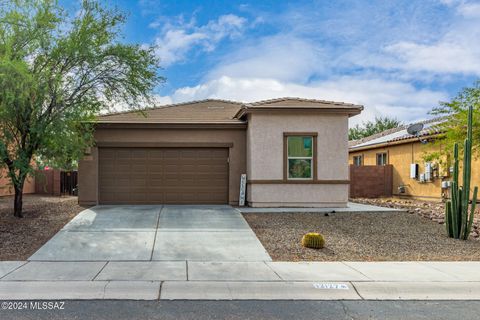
(351, 207)
(206, 280)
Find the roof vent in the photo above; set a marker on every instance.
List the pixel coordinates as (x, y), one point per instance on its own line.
(215, 107)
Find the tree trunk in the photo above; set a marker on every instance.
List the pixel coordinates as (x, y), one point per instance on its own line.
(18, 202)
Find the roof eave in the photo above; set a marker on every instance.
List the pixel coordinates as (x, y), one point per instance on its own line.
(172, 125)
(351, 111)
(393, 142)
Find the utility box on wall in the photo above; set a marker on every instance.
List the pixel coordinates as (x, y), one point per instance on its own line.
(414, 171)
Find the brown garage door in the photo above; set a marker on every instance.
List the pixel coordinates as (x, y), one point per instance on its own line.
(163, 175)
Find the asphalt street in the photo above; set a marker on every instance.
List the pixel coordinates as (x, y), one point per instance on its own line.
(119, 310)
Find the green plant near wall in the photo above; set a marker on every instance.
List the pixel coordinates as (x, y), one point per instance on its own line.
(458, 214)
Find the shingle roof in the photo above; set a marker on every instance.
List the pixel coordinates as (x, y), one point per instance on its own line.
(431, 127)
(209, 110)
(216, 110)
(294, 101)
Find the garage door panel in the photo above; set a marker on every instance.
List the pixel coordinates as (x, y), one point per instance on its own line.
(214, 174)
(138, 153)
(206, 196)
(154, 198)
(178, 197)
(188, 154)
(163, 175)
(181, 176)
(122, 168)
(107, 183)
(138, 183)
(210, 168)
(191, 167)
(107, 154)
(155, 166)
(171, 153)
(123, 181)
(139, 167)
(114, 196)
(152, 183)
(137, 197)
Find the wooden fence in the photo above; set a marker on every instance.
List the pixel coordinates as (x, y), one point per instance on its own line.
(55, 182)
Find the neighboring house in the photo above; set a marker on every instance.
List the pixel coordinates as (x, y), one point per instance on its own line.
(294, 152)
(6, 189)
(412, 176)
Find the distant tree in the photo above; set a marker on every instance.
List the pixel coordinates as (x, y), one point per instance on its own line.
(57, 72)
(369, 128)
(454, 128)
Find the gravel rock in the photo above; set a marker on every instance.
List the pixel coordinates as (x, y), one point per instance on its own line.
(43, 217)
(367, 236)
(432, 210)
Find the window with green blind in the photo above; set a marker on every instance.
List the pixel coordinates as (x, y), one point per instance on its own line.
(300, 157)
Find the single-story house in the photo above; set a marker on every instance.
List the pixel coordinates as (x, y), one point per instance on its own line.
(293, 151)
(412, 176)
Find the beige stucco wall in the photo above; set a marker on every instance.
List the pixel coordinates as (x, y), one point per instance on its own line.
(298, 195)
(265, 159)
(6, 188)
(88, 179)
(88, 167)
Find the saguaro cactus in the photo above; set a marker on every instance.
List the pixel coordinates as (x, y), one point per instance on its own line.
(458, 215)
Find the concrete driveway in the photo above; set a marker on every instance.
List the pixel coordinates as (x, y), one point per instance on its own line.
(144, 233)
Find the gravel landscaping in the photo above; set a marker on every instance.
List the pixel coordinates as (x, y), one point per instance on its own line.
(359, 237)
(43, 217)
(432, 210)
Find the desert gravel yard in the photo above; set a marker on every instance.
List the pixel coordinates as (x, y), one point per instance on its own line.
(43, 217)
(359, 237)
(433, 210)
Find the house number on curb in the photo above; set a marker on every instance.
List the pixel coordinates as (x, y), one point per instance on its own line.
(335, 286)
(243, 186)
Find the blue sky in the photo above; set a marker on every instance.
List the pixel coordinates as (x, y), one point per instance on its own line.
(398, 58)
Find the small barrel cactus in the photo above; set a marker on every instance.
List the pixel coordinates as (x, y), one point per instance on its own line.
(313, 240)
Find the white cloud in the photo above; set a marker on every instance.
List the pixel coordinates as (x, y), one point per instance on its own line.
(177, 40)
(469, 10)
(443, 57)
(384, 56)
(450, 2)
(161, 100)
(455, 52)
(380, 97)
(281, 57)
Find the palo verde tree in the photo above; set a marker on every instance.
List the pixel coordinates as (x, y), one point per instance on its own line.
(454, 128)
(372, 127)
(57, 71)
